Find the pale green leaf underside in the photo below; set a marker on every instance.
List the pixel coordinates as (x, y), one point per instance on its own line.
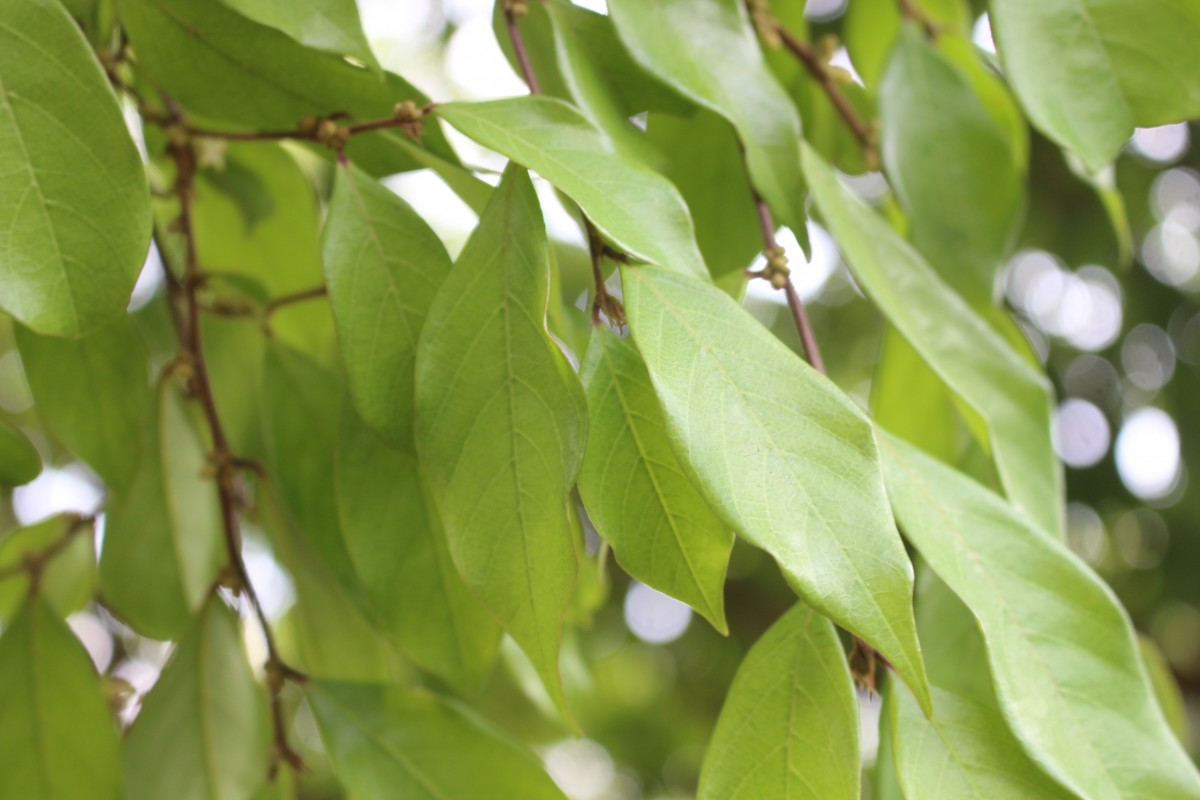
(74, 207)
(789, 727)
(661, 529)
(1088, 71)
(58, 740)
(201, 733)
(706, 49)
(501, 425)
(786, 458)
(386, 742)
(331, 25)
(636, 208)
(1061, 650)
(974, 361)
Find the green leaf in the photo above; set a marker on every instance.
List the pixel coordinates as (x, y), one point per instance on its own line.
(388, 742)
(501, 426)
(783, 455)
(330, 25)
(952, 166)
(636, 208)
(964, 751)
(399, 550)
(163, 539)
(908, 399)
(1089, 95)
(1010, 395)
(92, 394)
(732, 79)
(383, 266)
(58, 740)
(74, 207)
(19, 459)
(1062, 652)
(661, 529)
(202, 732)
(789, 727)
(222, 65)
(68, 581)
(871, 27)
(1165, 686)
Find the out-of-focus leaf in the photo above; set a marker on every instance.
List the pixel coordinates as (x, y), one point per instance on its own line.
(951, 165)
(58, 740)
(19, 459)
(789, 727)
(202, 731)
(660, 527)
(871, 28)
(1089, 94)
(636, 208)
(387, 742)
(501, 426)
(731, 79)
(396, 542)
(67, 581)
(1104, 183)
(74, 210)
(92, 393)
(162, 537)
(1166, 689)
(979, 366)
(383, 266)
(330, 25)
(783, 455)
(1062, 652)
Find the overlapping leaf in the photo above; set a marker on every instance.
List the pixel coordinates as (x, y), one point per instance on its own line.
(67, 582)
(789, 728)
(330, 25)
(501, 425)
(19, 459)
(785, 457)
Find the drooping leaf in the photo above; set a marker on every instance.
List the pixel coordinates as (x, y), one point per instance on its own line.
(383, 266)
(58, 740)
(68, 581)
(202, 731)
(74, 208)
(396, 542)
(19, 459)
(92, 393)
(789, 727)
(1128, 64)
(786, 459)
(952, 166)
(731, 79)
(330, 25)
(974, 361)
(636, 208)
(661, 529)
(1062, 652)
(501, 426)
(163, 541)
(387, 742)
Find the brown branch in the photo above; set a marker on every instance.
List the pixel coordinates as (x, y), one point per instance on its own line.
(35, 563)
(295, 297)
(513, 9)
(602, 300)
(911, 11)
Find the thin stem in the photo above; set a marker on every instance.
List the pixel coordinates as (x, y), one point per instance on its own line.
(34, 563)
(295, 297)
(518, 44)
(602, 299)
(910, 10)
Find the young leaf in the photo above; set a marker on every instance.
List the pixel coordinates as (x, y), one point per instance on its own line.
(732, 79)
(383, 266)
(67, 582)
(661, 529)
(976, 363)
(330, 25)
(636, 208)
(1061, 650)
(952, 166)
(789, 728)
(74, 207)
(501, 425)
(19, 459)
(202, 731)
(163, 538)
(1088, 96)
(399, 550)
(783, 455)
(388, 742)
(58, 740)
(92, 393)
